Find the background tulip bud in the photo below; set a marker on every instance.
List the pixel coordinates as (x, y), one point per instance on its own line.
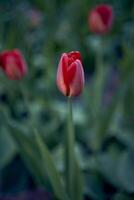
(70, 74)
(13, 64)
(100, 19)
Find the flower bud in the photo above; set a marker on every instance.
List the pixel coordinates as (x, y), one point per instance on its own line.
(100, 19)
(13, 64)
(70, 74)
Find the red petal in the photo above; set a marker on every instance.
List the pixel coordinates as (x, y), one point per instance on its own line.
(71, 72)
(64, 65)
(73, 56)
(77, 83)
(13, 64)
(62, 79)
(96, 23)
(20, 61)
(106, 13)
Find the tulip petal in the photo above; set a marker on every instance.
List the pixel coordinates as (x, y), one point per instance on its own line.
(62, 81)
(74, 55)
(71, 72)
(13, 64)
(106, 13)
(101, 18)
(11, 69)
(77, 83)
(20, 61)
(96, 22)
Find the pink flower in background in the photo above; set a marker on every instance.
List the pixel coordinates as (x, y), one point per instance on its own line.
(70, 74)
(13, 64)
(100, 19)
(34, 17)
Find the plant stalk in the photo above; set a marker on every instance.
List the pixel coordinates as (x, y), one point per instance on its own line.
(69, 153)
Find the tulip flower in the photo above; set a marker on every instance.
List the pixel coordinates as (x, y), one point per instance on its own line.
(100, 19)
(70, 81)
(13, 64)
(70, 74)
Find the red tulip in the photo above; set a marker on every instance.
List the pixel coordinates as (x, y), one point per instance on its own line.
(70, 74)
(101, 18)
(13, 64)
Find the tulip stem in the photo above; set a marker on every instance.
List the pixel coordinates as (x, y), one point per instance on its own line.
(25, 99)
(99, 79)
(100, 75)
(69, 152)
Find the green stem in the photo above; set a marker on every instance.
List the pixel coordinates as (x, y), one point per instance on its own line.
(69, 153)
(99, 79)
(25, 99)
(99, 82)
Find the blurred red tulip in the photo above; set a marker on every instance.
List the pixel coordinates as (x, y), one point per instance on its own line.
(70, 74)
(100, 19)
(13, 64)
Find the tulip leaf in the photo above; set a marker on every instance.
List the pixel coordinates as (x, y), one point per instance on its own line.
(94, 186)
(107, 165)
(50, 168)
(7, 148)
(121, 196)
(28, 153)
(126, 171)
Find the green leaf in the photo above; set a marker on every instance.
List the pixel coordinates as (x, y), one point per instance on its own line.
(126, 171)
(107, 165)
(104, 122)
(28, 153)
(121, 196)
(7, 147)
(99, 81)
(50, 168)
(94, 186)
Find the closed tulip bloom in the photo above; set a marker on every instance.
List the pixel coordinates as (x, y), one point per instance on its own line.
(13, 64)
(100, 19)
(70, 74)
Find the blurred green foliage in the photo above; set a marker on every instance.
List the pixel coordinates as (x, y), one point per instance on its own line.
(103, 115)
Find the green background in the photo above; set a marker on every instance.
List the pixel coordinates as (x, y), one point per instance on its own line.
(103, 114)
